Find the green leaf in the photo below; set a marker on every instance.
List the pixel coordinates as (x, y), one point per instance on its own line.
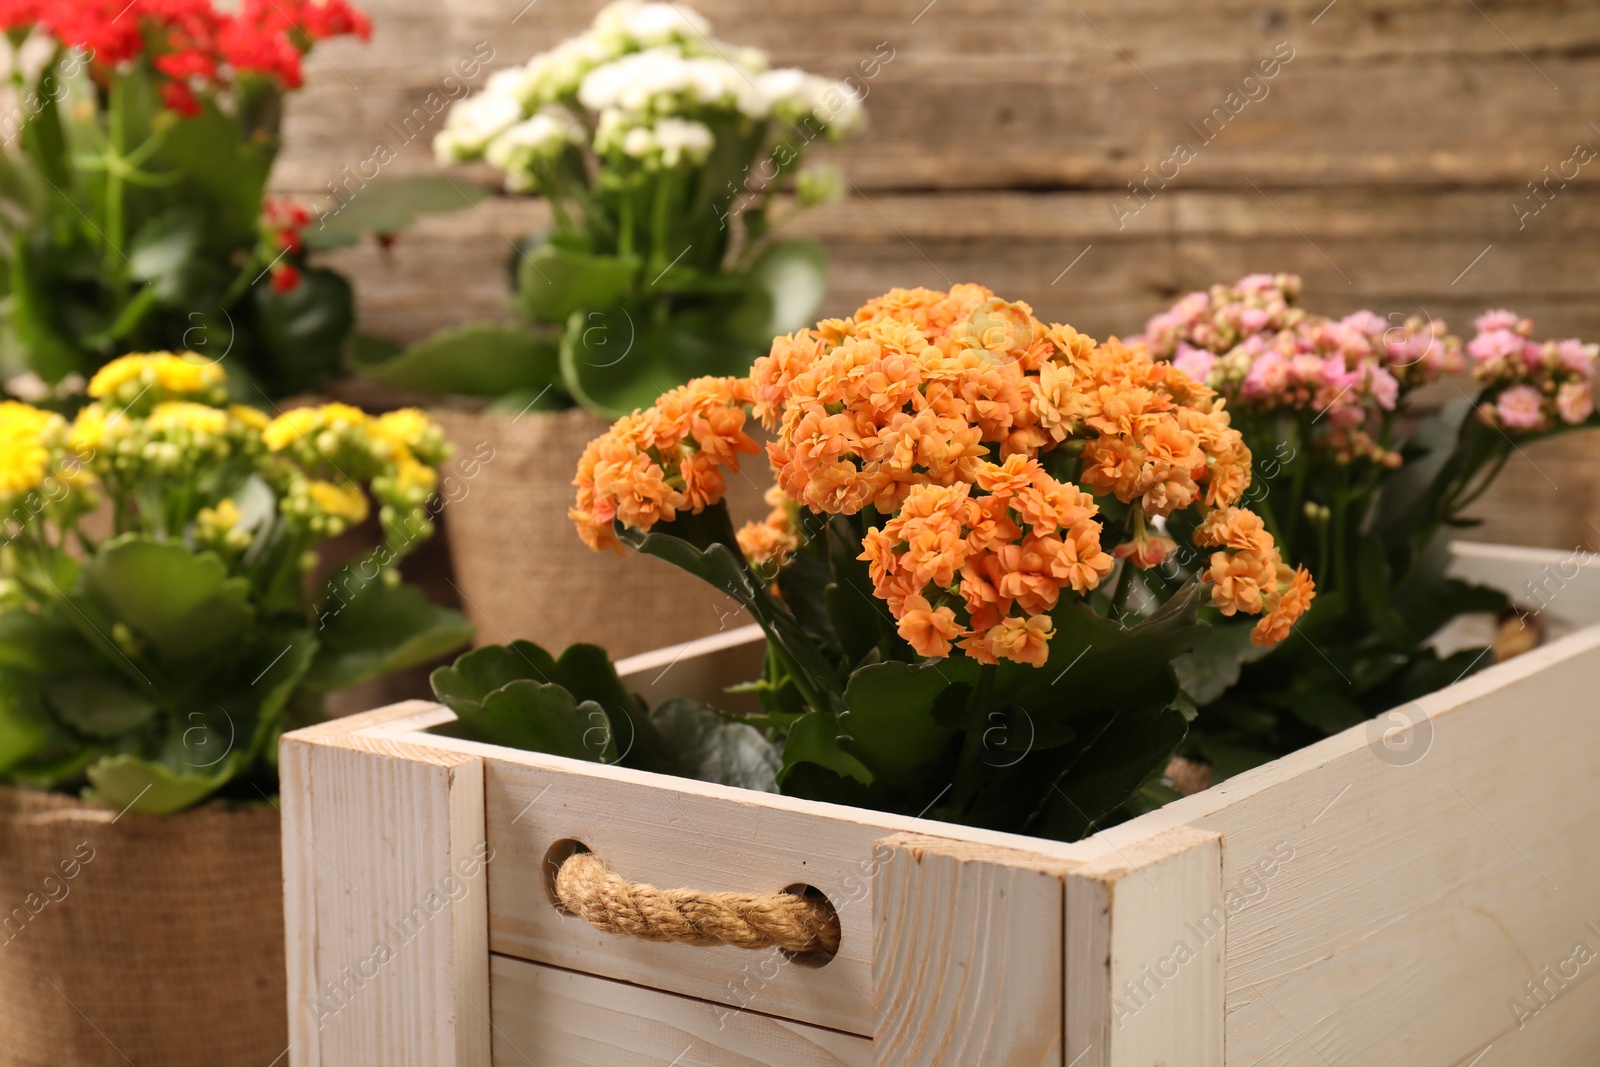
(389, 205)
(708, 747)
(301, 333)
(183, 603)
(51, 353)
(816, 738)
(217, 166)
(163, 247)
(43, 643)
(619, 358)
(131, 783)
(100, 706)
(1217, 661)
(1136, 744)
(700, 544)
(540, 718)
(380, 630)
(24, 724)
(889, 726)
(1097, 665)
(482, 359)
(476, 674)
(1324, 710)
(553, 282)
(795, 274)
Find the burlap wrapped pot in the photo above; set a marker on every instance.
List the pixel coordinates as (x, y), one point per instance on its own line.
(520, 567)
(139, 939)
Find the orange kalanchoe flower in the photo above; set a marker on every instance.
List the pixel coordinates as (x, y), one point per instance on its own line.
(768, 545)
(974, 439)
(657, 462)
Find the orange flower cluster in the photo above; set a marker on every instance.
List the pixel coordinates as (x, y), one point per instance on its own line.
(942, 412)
(1012, 538)
(1247, 574)
(767, 545)
(657, 462)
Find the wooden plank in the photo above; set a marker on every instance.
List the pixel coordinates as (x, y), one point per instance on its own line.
(1559, 1028)
(1144, 955)
(1398, 252)
(385, 900)
(967, 960)
(1423, 882)
(1562, 587)
(1070, 93)
(556, 1018)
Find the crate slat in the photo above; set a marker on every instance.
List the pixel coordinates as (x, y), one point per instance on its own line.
(556, 1018)
(385, 905)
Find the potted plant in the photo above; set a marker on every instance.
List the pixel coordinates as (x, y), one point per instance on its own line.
(133, 180)
(965, 612)
(666, 157)
(145, 676)
(1361, 491)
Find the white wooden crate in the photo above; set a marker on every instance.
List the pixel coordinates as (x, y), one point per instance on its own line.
(1336, 907)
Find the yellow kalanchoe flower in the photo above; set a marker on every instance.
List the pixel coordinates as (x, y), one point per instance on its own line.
(126, 377)
(198, 419)
(345, 502)
(88, 431)
(302, 423)
(24, 448)
(254, 418)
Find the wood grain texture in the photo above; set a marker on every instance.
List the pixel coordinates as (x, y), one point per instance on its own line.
(1416, 886)
(385, 900)
(1563, 1028)
(555, 1018)
(967, 958)
(1145, 932)
(1061, 93)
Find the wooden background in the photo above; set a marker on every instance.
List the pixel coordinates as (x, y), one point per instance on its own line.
(1384, 163)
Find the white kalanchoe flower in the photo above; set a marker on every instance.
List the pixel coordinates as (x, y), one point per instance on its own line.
(629, 25)
(797, 96)
(636, 81)
(539, 139)
(514, 83)
(556, 74)
(681, 140)
(472, 124)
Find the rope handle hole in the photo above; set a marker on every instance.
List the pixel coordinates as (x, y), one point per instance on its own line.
(820, 917)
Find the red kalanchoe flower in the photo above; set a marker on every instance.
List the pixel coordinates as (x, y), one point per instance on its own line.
(285, 277)
(196, 48)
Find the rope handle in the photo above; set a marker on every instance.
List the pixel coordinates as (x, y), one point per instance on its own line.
(586, 887)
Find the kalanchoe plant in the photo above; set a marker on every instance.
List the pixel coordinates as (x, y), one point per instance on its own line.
(136, 151)
(1358, 492)
(154, 663)
(949, 628)
(661, 152)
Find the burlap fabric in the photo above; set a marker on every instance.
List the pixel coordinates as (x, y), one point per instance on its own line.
(522, 571)
(156, 941)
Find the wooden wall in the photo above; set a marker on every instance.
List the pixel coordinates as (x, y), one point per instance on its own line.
(1384, 160)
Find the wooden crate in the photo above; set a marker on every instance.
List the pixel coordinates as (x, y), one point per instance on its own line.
(1357, 902)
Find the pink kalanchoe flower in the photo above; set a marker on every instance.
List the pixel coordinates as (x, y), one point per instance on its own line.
(1575, 356)
(1499, 319)
(1520, 408)
(1575, 402)
(1382, 387)
(1194, 362)
(1492, 347)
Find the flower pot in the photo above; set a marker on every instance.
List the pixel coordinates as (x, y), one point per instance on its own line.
(1412, 891)
(136, 938)
(520, 567)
